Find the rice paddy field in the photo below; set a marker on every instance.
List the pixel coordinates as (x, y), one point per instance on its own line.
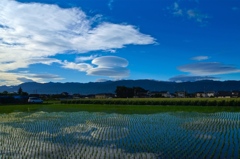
(37, 131)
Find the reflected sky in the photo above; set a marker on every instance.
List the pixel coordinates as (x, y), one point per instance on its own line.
(164, 135)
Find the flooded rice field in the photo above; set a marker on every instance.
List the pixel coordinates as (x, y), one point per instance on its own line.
(101, 135)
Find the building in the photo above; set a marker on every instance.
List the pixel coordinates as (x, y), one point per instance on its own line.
(211, 94)
(200, 95)
(104, 95)
(235, 94)
(164, 94)
(181, 94)
(205, 94)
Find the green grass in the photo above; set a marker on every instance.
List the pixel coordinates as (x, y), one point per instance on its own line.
(159, 101)
(121, 109)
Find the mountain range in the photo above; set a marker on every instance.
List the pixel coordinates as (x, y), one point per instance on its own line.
(110, 86)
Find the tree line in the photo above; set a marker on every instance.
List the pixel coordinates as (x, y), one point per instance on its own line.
(127, 92)
(16, 97)
(19, 92)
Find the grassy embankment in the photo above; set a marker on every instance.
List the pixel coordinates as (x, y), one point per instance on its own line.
(131, 106)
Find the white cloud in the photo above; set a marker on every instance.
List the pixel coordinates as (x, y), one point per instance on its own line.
(200, 58)
(113, 72)
(83, 67)
(176, 10)
(110, 61)
(110, 4)
(85, 58)
(30, 33)
(111, 66)
(23, 79)
(187, 78)
(196, 15)
(188, 13)
(208, 68)
(102, 80)
(14, 64)
(10, 78)
(203, 70)
(45, 76)
(108, 36)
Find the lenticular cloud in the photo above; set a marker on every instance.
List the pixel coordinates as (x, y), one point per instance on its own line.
(111, 66)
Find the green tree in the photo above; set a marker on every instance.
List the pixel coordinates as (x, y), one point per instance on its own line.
(5, 92)
(124, 92)
(20, 91)
(24, 93)
(138, 91)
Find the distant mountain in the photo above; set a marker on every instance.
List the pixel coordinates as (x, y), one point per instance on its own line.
(110, 86)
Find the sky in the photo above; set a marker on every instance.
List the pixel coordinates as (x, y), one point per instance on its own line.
(98, 40)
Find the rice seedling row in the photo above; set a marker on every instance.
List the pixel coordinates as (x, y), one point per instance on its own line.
(102, 135)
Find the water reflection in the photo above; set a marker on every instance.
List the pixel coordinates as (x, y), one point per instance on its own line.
(100, 135)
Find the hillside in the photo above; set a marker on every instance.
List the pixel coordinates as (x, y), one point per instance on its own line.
(110, 86)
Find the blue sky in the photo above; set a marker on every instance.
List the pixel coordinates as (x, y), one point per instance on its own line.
(97, 40)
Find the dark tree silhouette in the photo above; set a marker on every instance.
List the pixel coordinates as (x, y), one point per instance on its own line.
(124, 92)
(5, 92)
(20, 91)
